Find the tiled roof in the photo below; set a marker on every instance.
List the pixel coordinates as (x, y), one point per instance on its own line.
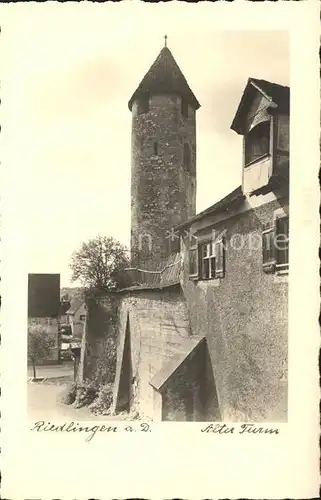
(75, 304)
(222, 205)
(164, 76)
(279, 95)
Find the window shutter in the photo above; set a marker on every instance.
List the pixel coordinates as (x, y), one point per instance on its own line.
(282, 245)
(268, 248)
(220, 258)
(193, 258)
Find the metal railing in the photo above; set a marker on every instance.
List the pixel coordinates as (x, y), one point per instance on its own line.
(168, 274)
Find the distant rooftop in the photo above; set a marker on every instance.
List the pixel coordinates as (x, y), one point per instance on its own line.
(74, 306)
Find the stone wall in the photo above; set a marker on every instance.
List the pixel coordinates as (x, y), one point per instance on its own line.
(156, 322)
(163, 191)
(98, 350)
(244, 317)
(240, 374)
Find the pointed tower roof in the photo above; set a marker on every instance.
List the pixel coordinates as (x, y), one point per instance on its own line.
(164, 77)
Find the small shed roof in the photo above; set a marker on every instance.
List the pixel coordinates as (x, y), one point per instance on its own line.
(188, 346)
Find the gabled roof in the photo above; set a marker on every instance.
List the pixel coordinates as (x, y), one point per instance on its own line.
(188, 346)
(75, 305)
(223, 205)
(164, 77)
(278, 95)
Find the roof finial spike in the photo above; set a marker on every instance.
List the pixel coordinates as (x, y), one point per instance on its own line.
(165, 37)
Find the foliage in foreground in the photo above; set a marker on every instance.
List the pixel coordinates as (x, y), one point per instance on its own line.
(40, 343)
(68, 395)
(86, 393)
(102, 404)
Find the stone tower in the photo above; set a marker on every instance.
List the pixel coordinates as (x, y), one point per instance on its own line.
(163, 165)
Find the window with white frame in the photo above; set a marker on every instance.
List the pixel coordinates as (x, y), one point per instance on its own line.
(257, 142)
(207, 260)
(212, 262)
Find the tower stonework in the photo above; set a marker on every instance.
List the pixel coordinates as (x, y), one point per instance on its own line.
(163, 161)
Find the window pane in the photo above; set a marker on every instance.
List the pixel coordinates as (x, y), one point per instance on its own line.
(205, 250)
(212, 266)
(219, 259)
(282, 256)
(282, 225)
(257, 142)
(218, 254)
(206, 268)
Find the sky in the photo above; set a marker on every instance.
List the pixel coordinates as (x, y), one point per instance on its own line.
(71, 74)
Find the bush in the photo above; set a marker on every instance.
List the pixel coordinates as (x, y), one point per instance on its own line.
(131, 415)
(105, 368)
(41, 342)
(86, 392)
(68, 395)
(101, 405)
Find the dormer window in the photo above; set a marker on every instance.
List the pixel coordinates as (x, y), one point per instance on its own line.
(184, 108)
(142, 105)
(257, 142)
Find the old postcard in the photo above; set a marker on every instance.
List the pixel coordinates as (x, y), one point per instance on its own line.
(159, 250)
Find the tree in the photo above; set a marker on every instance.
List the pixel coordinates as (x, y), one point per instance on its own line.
(40, 343)
(98, 264)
